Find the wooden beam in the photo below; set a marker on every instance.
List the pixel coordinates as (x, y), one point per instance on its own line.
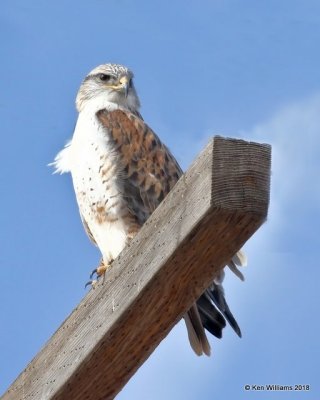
(212, 211)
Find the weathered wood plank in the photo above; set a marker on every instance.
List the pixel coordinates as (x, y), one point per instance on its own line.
(212, 211)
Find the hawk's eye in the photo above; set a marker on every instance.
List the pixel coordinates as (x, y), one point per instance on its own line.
(104, 77)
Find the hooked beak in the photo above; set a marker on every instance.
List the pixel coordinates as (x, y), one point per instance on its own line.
(124, 85)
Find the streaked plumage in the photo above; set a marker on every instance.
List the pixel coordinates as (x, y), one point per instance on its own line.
(121, 172)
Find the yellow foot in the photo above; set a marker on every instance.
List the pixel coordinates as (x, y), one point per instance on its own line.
(100, 271)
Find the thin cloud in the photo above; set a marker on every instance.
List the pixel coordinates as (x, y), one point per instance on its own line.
(294, 132)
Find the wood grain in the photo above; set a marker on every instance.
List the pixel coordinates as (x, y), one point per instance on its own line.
(211, 212)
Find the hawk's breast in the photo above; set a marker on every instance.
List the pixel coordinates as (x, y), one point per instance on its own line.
(95, 174)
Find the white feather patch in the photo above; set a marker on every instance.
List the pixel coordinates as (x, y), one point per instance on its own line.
(235, 270)
(240, 259)
(62, 161)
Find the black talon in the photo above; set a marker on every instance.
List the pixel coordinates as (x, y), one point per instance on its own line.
(93, 272)
(88, 284)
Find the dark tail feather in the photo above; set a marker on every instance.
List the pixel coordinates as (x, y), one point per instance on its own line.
(216, 294)
(211, 310)
(211, 319)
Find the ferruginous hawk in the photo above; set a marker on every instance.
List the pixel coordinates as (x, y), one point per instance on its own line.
(121, 172)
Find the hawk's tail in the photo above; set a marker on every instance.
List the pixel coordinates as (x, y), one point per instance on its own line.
(211, 311)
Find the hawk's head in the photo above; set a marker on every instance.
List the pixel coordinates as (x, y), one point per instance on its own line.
(108, 83)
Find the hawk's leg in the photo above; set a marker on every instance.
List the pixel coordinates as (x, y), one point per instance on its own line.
(100, 272)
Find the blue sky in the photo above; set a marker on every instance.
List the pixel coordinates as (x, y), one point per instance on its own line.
(248, 69)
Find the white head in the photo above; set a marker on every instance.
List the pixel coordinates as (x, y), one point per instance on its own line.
(108, 83)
